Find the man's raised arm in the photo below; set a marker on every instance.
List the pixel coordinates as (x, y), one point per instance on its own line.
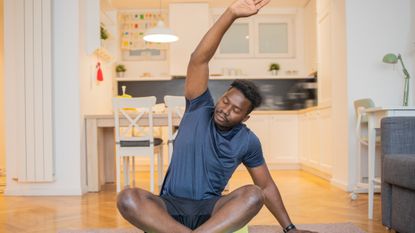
(198, 68)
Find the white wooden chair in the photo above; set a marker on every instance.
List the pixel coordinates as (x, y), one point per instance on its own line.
(362, 140)
(135, 140)
(175, 107)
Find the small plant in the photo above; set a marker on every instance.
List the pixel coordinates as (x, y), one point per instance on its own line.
(104, 33)
(274, 66)
(120, 68)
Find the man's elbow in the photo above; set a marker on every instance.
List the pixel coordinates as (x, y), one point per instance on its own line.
(197, 59)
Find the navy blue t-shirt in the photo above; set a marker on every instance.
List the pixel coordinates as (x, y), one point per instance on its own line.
(204, 157)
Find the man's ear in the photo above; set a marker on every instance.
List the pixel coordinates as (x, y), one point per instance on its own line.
(246, 118)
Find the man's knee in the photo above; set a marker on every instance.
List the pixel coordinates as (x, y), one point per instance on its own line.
(253, 195)
(129, 198)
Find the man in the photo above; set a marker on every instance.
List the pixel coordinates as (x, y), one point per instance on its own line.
(211, 143)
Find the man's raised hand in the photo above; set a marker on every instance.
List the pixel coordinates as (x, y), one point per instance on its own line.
(245, 8)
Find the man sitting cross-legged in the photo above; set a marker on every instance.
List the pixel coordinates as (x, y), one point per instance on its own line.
(211, 143)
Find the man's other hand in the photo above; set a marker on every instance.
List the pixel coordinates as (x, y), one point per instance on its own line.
(245, 8)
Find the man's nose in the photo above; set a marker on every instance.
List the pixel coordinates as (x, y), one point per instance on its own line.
(227, 110)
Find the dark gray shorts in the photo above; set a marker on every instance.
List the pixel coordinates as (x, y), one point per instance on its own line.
(191, 213)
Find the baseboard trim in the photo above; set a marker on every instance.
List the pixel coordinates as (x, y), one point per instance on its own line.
(34, 191)
(321, 174)
(339, 184)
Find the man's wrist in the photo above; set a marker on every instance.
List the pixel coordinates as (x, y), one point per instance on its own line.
(232, 13)
(289, 228)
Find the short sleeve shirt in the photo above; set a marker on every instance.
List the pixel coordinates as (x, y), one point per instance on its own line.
(204, 157)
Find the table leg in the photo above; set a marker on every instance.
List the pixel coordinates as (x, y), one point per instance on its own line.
(371, 163)
(92, 155)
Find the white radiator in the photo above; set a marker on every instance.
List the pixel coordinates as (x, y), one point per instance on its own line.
(35, 157)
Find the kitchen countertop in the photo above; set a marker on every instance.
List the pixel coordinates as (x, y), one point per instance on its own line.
(215, 77)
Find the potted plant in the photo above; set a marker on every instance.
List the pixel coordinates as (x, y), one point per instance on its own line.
(274, 68)
(120, 69)
(104, 33)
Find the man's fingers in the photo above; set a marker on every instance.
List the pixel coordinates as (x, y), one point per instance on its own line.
(260, 3)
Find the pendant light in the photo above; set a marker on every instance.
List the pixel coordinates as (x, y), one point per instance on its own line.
(160, 34)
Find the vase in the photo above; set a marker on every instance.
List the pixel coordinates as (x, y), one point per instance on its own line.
(274, 72)
(120, 74)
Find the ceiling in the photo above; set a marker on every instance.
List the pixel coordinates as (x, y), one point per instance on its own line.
(136, 4)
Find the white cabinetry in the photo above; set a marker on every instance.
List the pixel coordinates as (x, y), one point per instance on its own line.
(190, 21)
(278, 135)
(315, 140)
(261, 36)
(324, 52)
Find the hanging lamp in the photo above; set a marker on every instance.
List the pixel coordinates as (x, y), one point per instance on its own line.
(160, 33)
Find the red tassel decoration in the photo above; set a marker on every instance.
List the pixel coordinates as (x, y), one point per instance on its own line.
(100, 76)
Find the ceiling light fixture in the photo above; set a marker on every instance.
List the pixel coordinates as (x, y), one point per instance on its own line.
(160, 33)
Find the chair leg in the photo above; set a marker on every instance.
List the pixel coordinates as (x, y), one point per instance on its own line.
(170, 148)
(152, 172)
(133, 169)
(118, 180)
(126, 164)
(160, 172)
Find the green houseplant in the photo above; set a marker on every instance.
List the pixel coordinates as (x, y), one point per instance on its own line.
(120, 70)
(274, 68)
(104, 33)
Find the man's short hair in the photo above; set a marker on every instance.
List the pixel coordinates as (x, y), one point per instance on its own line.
(250, 91)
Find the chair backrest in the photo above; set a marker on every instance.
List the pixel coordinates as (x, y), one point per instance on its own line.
(131, 110)
(175, 108)
(360, 105)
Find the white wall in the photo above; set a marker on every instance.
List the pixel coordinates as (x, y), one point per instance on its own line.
(339, 96)
(2, 128)
(374, 28)
(96, 96)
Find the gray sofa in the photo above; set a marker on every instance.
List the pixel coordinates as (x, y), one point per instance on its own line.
(398, 173)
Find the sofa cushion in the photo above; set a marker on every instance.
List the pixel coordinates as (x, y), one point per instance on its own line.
(399, 169)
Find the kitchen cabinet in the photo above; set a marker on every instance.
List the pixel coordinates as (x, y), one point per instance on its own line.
(278, 134)
(260, 36)
(189, 21)
(324, 52)
(315, 140)
(237, 40)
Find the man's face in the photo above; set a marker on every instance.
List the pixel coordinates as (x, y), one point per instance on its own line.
(231, 109)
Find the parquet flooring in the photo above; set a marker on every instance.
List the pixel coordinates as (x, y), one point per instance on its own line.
(309, 199)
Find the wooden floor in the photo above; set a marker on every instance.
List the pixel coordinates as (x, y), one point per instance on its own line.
(308, 199)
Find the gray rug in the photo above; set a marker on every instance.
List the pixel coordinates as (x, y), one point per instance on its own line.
(321, 228)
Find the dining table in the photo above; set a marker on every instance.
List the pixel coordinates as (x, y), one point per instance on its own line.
(100, 144)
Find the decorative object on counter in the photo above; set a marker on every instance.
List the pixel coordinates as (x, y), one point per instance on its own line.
(160, 34)
(146, 74)
(313, 74)
(291, 72)
(124, 95)
(274, 68)
(391, 58)
(120, 69)
(232, 71)
(100, 76)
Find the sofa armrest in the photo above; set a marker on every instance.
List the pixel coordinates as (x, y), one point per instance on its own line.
(398, 135)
